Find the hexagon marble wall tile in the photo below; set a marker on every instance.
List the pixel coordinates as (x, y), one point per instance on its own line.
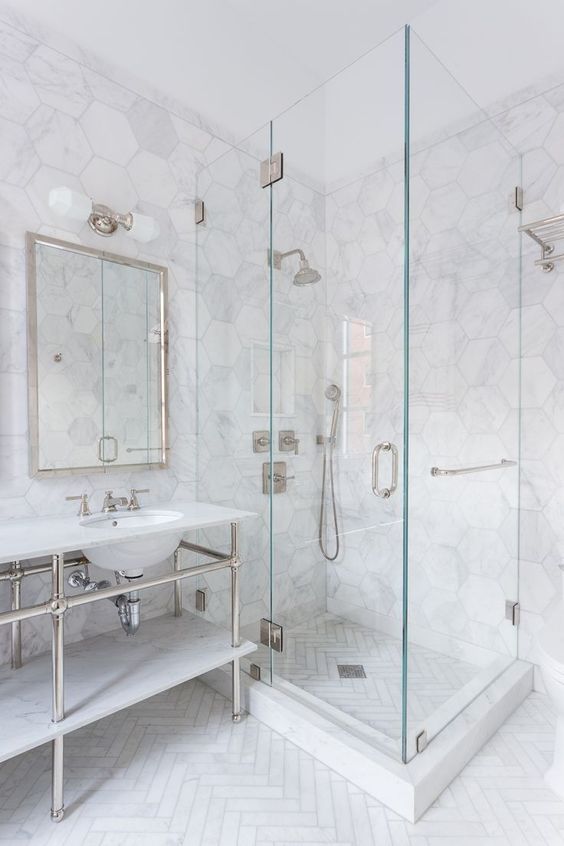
(464, 386)
(464, 359)
(61, 122)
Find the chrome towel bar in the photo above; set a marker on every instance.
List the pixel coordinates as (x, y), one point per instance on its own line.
(505, 462)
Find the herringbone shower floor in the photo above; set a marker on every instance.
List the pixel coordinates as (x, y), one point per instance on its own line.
(313, 650)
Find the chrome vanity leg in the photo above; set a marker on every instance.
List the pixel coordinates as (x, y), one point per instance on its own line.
(58, 607)
(235, 622)
(57, 763)
(16, 628)
(177, 587)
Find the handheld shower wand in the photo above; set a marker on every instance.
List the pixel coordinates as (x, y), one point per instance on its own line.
(333, 394)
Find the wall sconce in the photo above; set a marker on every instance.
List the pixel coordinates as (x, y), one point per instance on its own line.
(102, 219)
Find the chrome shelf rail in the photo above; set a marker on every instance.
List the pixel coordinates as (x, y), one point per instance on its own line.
(544, 233)
(461, 471)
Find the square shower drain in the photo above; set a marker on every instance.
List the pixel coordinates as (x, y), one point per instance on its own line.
(351, 671)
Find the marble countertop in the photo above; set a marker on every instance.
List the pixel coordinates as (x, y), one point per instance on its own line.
(33, 537)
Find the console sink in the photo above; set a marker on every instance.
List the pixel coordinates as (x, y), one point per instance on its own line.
(136, 555)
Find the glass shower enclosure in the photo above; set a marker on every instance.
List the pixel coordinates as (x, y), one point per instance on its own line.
(358, 381)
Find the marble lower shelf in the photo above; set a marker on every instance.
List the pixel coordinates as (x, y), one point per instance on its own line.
(106, 673)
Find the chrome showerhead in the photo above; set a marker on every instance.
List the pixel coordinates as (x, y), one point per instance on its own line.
(306, 275)
(333, 393)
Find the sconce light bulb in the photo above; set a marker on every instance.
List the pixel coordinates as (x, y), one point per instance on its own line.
(69, 203)
(144, 228)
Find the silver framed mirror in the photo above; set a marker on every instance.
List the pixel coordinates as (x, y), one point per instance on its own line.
(97, 360)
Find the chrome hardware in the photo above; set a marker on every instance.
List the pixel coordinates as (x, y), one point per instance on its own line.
(437, 471)
(84, 508)
(385, 446)
(78, 579)
(261, 440)
(199, 212)
(111, 502)
(518, 201)
(133, 504)
(544, 233)
(421, 741)
(201, 600)
(129, 611)
(287, 441)
(254, 670)
(279, 477)
(512, 612)
(271, 635)
(101, 450)
(271, 170)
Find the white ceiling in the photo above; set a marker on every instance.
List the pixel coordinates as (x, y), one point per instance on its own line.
(237, 62)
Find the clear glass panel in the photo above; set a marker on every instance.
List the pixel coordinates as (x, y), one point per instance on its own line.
(131, 372)
(233, 316)
(342, 337)
(69, 358)
(464, 288)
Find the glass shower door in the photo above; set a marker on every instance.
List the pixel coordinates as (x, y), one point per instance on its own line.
(464, 348)
(338, 411)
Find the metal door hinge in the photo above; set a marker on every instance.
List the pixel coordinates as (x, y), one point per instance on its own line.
(271, 170)
(518, 198)
(255, 672)
(200, 211)
(512, 612)
(421, 741)
(271, 635)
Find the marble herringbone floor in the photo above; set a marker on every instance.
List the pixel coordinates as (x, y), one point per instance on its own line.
(175, 770)
(313, 650)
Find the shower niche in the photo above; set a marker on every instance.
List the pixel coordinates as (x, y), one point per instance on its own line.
(277, 375)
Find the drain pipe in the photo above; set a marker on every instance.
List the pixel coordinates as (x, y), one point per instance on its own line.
(129, 611)
(129, 606)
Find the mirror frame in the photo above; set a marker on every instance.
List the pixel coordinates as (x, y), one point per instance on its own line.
(32, 240)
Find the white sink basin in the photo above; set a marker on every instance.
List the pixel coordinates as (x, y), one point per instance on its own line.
(136, 555)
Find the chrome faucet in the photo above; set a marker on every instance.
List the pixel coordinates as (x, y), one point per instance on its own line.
(84, 508)
(111, 502)
(133, 504)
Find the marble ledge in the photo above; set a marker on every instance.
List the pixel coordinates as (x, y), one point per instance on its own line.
(33, 537)
(106, 673)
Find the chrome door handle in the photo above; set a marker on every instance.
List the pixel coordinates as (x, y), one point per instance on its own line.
(101, 449)
(385, 446)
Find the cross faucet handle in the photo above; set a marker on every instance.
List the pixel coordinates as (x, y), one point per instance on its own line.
(84, 508)
(133, 504)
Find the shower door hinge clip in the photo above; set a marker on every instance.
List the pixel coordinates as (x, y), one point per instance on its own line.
(271, 635)
(421, 741)
(512, 612)
(518, 198)
(200, 212)
(255, 672)
(272, 170)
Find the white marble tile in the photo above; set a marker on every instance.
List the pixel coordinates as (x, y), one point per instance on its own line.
(59, 140)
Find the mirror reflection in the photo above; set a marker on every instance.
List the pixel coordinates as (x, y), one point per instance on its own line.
(97, 359)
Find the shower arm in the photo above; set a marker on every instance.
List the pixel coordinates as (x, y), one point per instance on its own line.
(277, 257)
